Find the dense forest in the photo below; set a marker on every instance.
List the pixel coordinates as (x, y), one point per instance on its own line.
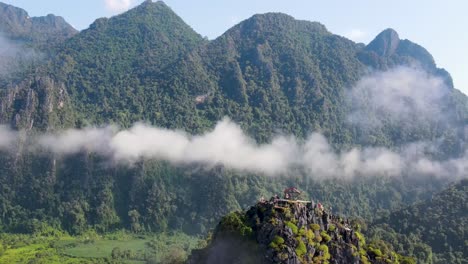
(270, 74)
(434, 227)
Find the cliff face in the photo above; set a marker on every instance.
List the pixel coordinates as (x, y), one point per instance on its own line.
(36, 102)
(282, 231)
(30, 97)
(45, 31)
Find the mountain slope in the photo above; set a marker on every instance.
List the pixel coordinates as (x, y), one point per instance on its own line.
(117, 63)
(441, 223)
(278, 73)
(271, 74)
(388, 50)
(49, 30)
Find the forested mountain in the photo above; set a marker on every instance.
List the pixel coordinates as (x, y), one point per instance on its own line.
(119, 63)
(27, 42)
(439, 224)
(44, 32)
(271, 74)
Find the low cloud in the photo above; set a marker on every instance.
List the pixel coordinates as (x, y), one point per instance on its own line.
(320, 160)
(226, 144)
(229, 146)
(76, 140)
(15, 57)
(118, 5)
(7, 137)
(399, 95)
(356, 35)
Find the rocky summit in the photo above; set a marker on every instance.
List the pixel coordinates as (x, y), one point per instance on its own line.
(293, 232)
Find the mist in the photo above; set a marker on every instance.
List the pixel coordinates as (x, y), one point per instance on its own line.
(398, 93)
(7, 137)
(401, 95)
(14, 56)
(91, 139)
(226, 144)
(7, 53)
(118, 5)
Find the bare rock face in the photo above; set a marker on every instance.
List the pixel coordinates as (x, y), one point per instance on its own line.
(385, 44)
(35, 102)
(16, 24)
(291, 232)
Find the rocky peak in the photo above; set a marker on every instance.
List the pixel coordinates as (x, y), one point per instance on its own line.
(13, 19)
(385, 44)
(53, 22)
(16, 24)
(12, 11)
(288, 231)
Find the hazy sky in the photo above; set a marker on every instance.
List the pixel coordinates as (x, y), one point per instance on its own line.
(439, 26)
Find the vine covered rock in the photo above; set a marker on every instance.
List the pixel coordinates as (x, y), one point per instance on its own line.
(292, 232)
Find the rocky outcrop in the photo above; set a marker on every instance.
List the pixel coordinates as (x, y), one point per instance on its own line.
(385, 44)
(291, 232)
(38, 102)
(16, 24)
(387, 51)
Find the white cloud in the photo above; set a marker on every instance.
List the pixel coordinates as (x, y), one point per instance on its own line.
(234, 20)
(229, 146)
(356, 35)
(75, 140)
(226, 144)
(118, 5)
(402, 94)
(321, 161)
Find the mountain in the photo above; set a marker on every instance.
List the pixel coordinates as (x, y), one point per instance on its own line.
(16, 24)
(439, 224)
(387, 50)
(120, 63)
(285, 231)
(27, 42)
(271, 74)
(277, 73)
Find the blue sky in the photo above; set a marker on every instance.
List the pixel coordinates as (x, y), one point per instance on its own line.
(439, 26)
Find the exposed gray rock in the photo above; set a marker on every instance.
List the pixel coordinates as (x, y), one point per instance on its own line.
(286, 232)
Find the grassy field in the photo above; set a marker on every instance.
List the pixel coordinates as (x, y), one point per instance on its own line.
(121, 248)
(103, 248)
(37, 253)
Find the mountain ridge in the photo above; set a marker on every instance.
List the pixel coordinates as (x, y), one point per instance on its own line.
(271, 74)
(49, 30)
(385, 43)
